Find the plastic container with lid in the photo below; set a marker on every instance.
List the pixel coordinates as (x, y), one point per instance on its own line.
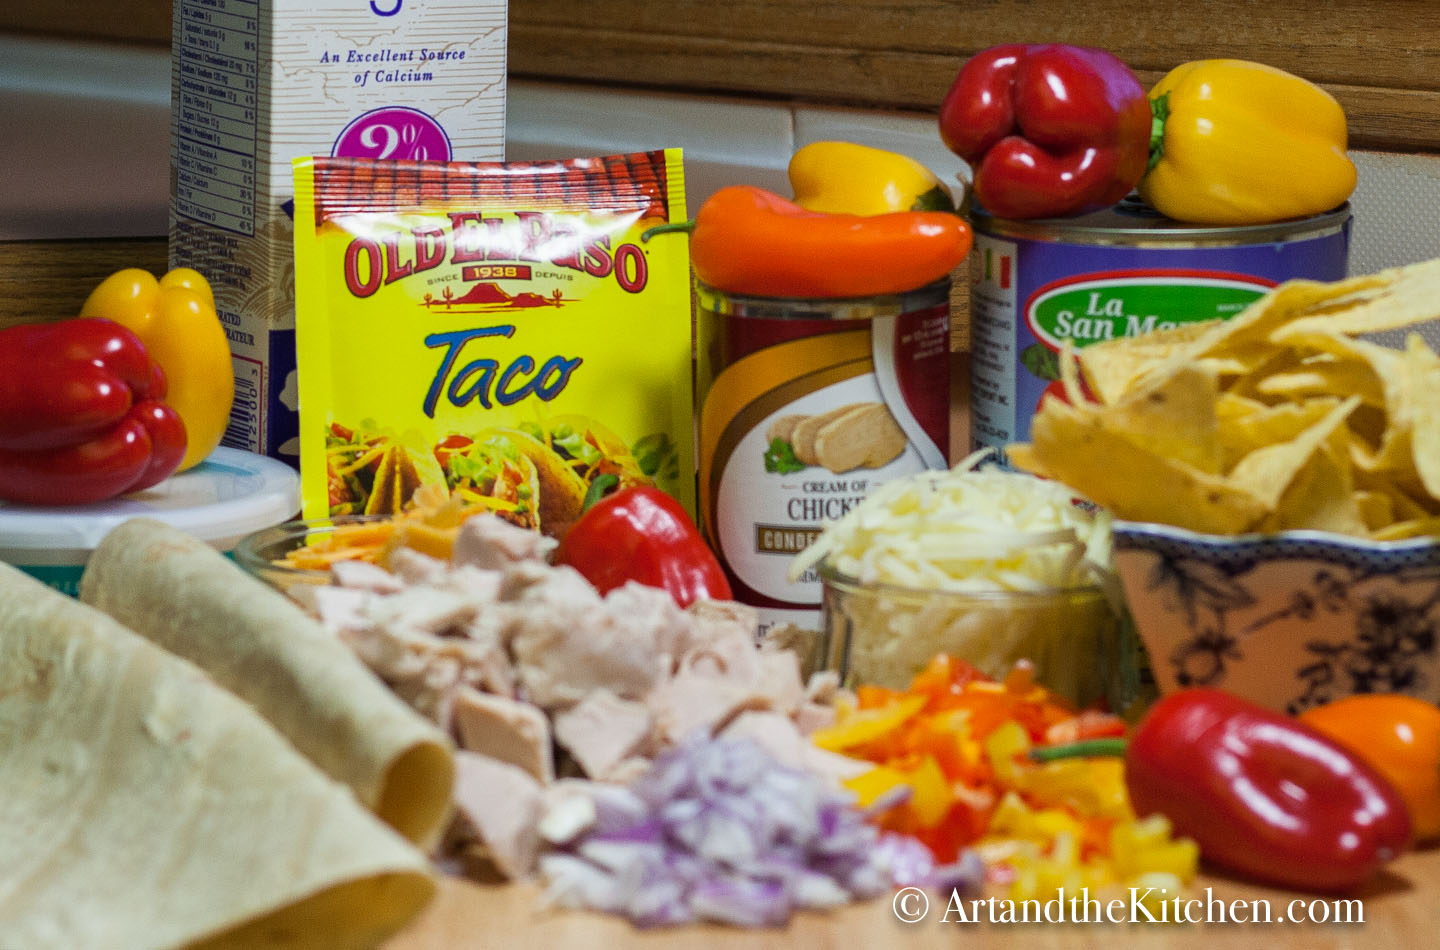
(229, 495)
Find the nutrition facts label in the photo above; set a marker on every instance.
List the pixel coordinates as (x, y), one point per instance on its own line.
(215, 120)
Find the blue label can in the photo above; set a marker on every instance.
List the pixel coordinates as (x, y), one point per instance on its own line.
(1119, 272)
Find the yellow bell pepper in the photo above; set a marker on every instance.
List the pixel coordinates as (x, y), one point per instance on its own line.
(1241, 143)
(175, 318)
(846, 178)
(856, 728)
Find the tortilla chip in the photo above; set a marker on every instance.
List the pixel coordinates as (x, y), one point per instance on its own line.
(1268, 471)
(1321, 496)
(1112, 366)
(146, 807)
(1173, 416)
(1323, 376)
(193, 601)
(1073, 446)
(1245, 425)
(1422, 372)
(1404, 530)
(1389, 300)
(1375, 508)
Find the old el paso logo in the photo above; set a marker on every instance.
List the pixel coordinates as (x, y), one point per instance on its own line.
(371, 263)
(1103, 306)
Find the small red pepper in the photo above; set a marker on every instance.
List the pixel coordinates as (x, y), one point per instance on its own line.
(747, 240)
(1049, 130)
(1261, 794)
(81, 416)
(639, 533)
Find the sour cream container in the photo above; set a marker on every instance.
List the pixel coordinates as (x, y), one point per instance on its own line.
(219, 501)
(1123, 271)
(805, 405)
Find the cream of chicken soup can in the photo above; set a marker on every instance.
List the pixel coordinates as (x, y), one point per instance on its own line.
(804, 407)
(1035, 285)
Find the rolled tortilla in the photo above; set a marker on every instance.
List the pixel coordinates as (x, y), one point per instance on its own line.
(146, 807)
(192, 600)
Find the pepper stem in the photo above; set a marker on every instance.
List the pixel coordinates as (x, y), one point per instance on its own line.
(1159, 112)
(1078, 750)
(686, 226)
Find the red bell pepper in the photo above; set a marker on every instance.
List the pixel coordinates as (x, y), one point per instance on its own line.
(1049, 130)
(1261, 794)
(81, 416)
(641, 534)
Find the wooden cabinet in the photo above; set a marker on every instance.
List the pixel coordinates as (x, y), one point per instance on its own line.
(1380, 58)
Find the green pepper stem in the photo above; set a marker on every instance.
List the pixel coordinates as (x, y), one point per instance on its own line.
(1078, 750)
(686, 226)
(1159, 112)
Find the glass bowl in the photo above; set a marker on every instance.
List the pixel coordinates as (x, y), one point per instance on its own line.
(263, 552)
(883, 635)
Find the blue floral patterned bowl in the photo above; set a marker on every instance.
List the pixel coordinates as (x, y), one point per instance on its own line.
(1289, 620)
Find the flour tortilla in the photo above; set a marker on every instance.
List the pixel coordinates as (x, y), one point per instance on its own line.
(145, 807)
(193, 601)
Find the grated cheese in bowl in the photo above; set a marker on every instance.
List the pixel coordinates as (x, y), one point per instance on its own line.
(986, 563)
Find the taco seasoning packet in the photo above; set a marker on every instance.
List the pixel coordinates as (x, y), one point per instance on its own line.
(498, 330)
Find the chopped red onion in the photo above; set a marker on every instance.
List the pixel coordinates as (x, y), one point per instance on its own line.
(719, 830)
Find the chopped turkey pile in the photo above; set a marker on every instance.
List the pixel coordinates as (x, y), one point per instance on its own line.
(542, 681)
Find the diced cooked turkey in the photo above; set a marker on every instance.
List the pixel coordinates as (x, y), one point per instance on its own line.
(491, 542)
(567, 644)
(415, 568)
(812, 717)
(508, 652)
(424, 608)
(602, 730)
(716, 618)
(362, 575)
(479, 585)
(339, 608)
(501, 803)
(780, 736)
(691, 701)
(504, 729)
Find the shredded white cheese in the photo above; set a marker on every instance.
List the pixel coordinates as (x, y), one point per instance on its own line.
(970, 528)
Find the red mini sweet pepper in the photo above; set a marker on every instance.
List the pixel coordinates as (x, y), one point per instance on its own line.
(1050, 130)
(639, 533)
(81, 414)
(1260, 793)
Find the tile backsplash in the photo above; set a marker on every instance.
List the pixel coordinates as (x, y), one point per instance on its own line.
(84, 141)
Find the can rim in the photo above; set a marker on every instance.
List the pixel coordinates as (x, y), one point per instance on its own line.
(821, 308)
(1100, 227)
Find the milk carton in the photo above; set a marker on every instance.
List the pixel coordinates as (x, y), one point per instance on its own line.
(256, 83)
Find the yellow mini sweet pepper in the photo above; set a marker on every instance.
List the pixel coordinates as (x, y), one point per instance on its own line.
(175, 318)
(846, 178)
(1241, 143)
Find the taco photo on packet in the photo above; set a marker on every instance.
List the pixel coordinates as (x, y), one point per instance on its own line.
(498, 330)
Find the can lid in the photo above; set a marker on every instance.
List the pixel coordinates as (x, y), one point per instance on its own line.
(230, 494)
(1134, 223)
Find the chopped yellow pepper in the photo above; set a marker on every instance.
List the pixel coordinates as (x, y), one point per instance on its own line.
(856, 728)
(846, 178)
(1241, 143)
(175, 318)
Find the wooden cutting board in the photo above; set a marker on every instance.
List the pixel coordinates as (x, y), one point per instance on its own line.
(1400, 909)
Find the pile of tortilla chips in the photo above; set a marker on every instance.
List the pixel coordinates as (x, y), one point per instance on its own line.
(1280, 418)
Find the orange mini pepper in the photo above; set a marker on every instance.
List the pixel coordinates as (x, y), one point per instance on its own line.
(1399, 737)
(746, 240)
